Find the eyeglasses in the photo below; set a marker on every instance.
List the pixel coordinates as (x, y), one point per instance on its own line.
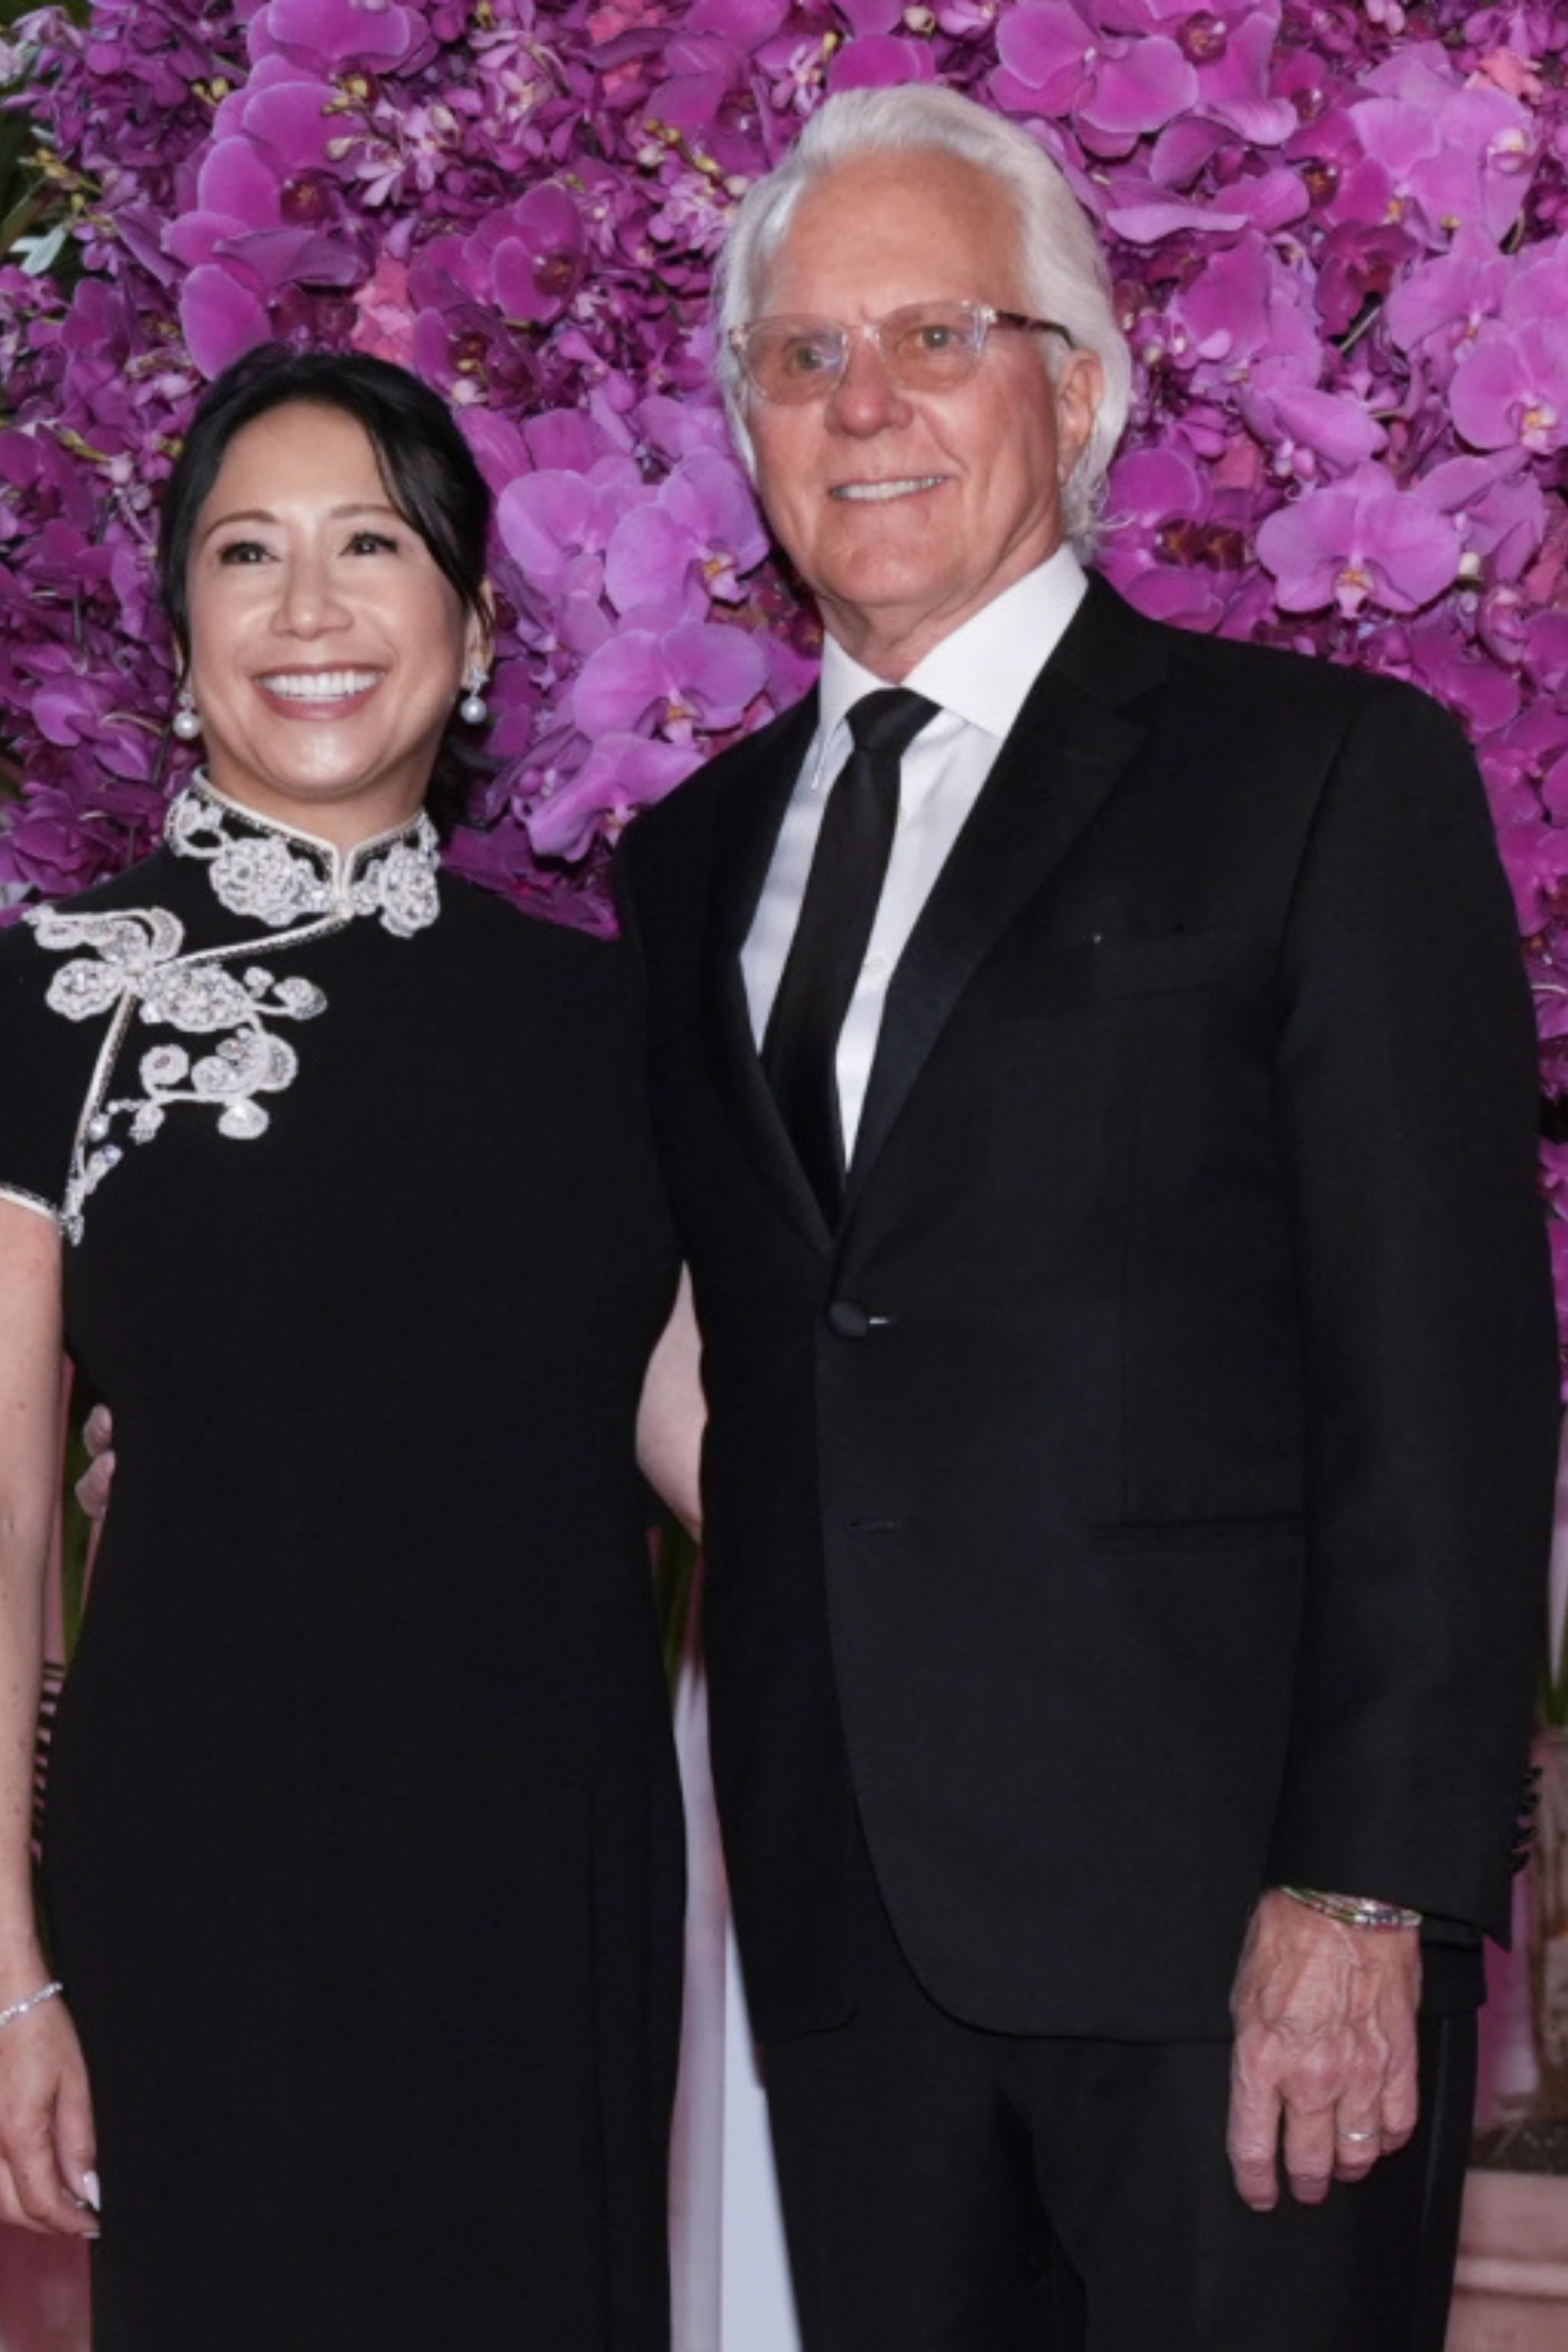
(926, 347)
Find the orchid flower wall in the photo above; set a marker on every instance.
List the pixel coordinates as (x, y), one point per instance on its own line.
(1341, 235)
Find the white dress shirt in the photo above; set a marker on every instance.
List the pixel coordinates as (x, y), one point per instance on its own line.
(978, 677)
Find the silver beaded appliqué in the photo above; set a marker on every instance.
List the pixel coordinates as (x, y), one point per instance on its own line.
(137, 970)
(256, 871)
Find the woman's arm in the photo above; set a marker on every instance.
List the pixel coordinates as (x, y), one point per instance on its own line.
(672, 1412)
(46, 2149)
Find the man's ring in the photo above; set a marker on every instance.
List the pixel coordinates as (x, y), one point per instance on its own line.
(1373, 2134)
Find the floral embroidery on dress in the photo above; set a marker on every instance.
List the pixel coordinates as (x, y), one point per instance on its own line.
(137, 970)
(254, 871)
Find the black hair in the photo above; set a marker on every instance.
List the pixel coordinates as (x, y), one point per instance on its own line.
(426, 465)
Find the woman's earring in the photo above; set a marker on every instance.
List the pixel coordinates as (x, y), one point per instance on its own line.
(186, 721)
(473, 709)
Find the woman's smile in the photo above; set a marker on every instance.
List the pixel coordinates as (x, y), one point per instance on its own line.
(320, 688)
(327, 647)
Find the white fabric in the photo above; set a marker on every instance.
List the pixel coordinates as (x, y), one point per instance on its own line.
(979, 677)
(758, 2303)
(729, 2270)
(698, 2152)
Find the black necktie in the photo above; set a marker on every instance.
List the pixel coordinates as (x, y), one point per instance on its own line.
(801, 1044)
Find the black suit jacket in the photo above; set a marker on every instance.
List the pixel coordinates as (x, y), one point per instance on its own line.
(1142, 1497)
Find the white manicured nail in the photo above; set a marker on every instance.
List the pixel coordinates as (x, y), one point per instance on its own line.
(90, 2191)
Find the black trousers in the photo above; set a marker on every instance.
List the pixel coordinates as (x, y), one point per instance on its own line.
(949, 2189)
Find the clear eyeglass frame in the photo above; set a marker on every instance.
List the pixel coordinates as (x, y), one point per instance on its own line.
(923, 347)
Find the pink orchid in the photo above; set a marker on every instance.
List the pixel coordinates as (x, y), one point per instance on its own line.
(334, 33)
(1439, 307)
(671, 682)
(1510, 388)
(703, 521)
(546, 519)
(1340, 246)
(1115, 88)
(880, 61)
(1445, 154)
(1159, 550)
(620, 775)
(1357, 542)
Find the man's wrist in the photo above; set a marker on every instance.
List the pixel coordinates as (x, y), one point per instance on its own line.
(1354, 1910)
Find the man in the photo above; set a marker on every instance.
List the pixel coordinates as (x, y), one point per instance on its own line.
(1102, 1123)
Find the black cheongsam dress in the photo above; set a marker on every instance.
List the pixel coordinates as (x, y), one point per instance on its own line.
(362, 1854)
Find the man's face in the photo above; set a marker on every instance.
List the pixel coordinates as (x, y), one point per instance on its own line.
(906, 512)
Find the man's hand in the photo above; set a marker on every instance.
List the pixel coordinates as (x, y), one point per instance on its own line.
(92, 1487)
(1324, 2051)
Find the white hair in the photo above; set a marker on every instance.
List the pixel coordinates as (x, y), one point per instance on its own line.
(1065, 276)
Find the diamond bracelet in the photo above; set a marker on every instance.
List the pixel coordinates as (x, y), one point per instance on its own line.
(34, 2000)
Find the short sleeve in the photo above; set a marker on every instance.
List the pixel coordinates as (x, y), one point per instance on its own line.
(45, 1073)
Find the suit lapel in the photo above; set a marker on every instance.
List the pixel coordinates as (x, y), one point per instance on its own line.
(1066, 751)
(747, 827)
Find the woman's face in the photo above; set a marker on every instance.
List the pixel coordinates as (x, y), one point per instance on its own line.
(327, 647)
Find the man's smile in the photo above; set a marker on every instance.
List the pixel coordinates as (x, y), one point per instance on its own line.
(907, 486)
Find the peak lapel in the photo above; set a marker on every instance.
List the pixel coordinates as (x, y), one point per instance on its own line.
(747, 828)
(1068, 749)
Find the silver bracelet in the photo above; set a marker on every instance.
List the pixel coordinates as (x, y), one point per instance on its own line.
(1354, 1910)
(34, 2000)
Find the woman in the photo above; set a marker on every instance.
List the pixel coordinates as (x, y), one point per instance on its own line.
(362, 1851)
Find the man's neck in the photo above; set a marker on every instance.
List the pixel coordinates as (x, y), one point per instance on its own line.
(893, 643)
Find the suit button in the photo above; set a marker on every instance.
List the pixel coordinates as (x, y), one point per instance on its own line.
(847, 1319)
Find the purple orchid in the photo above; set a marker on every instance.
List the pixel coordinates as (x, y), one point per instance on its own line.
(547, 521)
(1339, 236)
(695, 539)
(1510, 388)
(1230, 46)
(672, 682)
(1457, 668)
(527, 261)
(1360, 541)
(1500, 513)
(620, 775)
(1054, 60)
(334, 33)
(880, 61)
(1244, 308)
(1445, 154)
(1159, 546)
(1438, 309)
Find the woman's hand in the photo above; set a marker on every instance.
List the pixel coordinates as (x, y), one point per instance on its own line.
(92, 1487)
(46, 2146)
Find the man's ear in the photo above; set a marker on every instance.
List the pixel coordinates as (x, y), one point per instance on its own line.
(1079, 388)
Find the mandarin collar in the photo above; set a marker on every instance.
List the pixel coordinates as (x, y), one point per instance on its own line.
(278, 875)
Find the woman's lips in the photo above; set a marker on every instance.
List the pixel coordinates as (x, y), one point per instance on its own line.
(319, 693)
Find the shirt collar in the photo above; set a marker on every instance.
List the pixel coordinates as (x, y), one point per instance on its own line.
(984, 671)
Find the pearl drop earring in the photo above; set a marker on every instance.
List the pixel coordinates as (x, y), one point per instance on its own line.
(473, 709)
(186, 721)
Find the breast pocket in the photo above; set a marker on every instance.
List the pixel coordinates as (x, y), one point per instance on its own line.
(1099, 971)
